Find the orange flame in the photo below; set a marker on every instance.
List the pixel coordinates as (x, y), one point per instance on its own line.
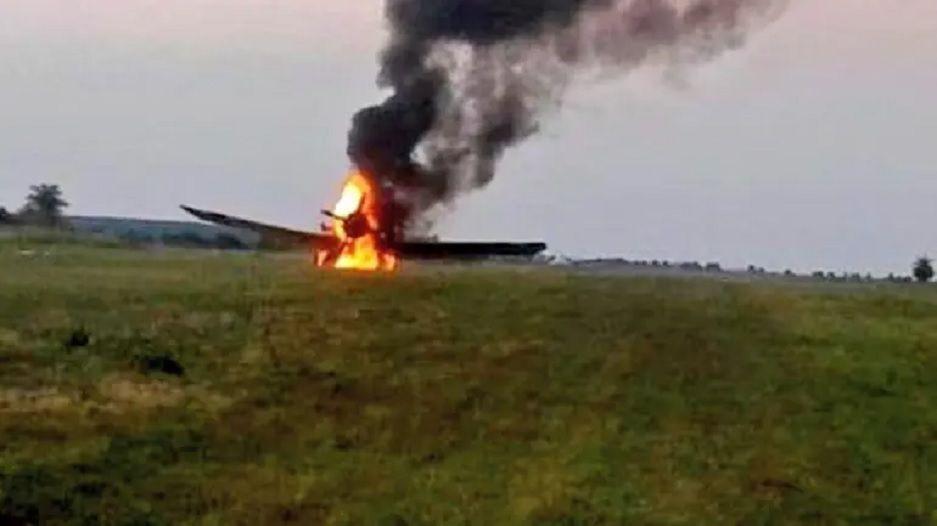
(357, 226)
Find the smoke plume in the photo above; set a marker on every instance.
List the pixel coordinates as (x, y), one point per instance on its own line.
(470, 78)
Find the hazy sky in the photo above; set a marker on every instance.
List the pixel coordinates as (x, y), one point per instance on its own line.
(813, 147)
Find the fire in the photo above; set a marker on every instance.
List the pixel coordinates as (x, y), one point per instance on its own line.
(356, 223)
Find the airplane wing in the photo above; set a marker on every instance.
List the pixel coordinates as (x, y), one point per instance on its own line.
(277, 235)
(289, 238)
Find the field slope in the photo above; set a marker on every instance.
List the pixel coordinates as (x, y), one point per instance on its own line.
(194, 388)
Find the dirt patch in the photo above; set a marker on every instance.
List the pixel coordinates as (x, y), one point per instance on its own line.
(44, 400)
(115, 394)
(125, 393)
(8, 338)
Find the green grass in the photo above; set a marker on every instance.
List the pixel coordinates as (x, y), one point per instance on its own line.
(445, 395)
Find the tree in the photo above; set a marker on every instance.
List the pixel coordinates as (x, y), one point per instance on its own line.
(5, 216)
(923, 269)
(44, 205)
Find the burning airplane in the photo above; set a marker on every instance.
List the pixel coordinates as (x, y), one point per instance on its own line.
(469, 79)
(361, 230)
(364, 234)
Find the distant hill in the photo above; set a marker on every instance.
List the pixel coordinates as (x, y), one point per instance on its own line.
(165, 232)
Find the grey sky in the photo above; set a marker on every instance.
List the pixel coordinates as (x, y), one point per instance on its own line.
(813, 147)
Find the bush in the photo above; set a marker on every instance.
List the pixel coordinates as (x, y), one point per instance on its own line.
(6, 218)
(229, 242)
(923, 269)
(134, 237)
(185, 240)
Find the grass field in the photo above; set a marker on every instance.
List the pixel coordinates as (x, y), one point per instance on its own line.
(445, 395)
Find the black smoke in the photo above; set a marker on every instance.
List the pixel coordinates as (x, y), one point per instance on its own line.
(470, 78)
